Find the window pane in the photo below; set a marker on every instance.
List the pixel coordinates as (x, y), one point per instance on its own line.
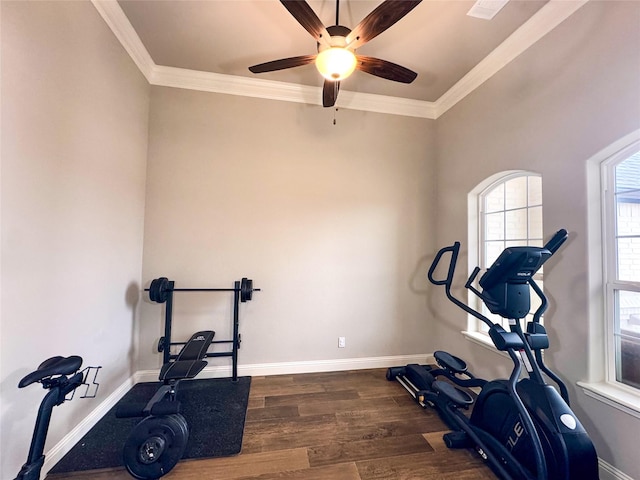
(535, 191)
(535, 223)
(514, 243)
(516, 225)
(494, 200)
(494, 226)
(492, 250)
(627, 338)
(628, 360)
(627, 175)
(627, 216)
(515, 193)
(628, 313)
(629, 259)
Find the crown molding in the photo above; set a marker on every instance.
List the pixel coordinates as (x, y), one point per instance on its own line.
(546, 19)
(384, 104)
(288, 92)
(119, 24)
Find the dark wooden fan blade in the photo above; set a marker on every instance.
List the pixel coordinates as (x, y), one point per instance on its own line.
(282, 64)
(306, 17)
(385, 69)
(330, 93)
(381, 18)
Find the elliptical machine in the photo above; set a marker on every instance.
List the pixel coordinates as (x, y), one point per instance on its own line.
(522, 427)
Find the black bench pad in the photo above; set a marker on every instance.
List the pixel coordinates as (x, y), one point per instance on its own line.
(189, 361)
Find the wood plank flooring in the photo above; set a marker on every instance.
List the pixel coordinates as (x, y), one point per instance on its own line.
(330, 426)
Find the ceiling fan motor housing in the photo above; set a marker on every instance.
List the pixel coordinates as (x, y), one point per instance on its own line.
(338, 37)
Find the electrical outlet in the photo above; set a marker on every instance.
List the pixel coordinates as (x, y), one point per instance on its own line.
(341, 342)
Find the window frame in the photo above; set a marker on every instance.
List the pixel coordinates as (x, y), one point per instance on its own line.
(611, 284)
(476, 329)
(597, 384)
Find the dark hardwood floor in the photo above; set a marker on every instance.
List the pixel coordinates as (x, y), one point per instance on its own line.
(331, 426)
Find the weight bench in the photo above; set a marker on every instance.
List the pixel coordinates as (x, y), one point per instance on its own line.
(188, 364)
(190, 359)
(158, 441)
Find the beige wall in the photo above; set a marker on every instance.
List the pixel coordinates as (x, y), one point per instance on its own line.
(331, 221)
(549, 111)
(337, 224)
(74, 146)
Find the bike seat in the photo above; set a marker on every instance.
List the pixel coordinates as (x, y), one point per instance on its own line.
(450, 362)
(52, 366)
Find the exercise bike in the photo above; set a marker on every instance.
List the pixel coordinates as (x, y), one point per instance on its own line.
(522, 427)
(61, 376)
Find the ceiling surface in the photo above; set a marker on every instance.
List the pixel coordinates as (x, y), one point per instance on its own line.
(437, 39)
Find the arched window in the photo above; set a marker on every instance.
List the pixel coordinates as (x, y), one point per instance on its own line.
(508, 213)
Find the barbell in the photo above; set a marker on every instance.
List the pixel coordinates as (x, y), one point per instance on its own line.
(160, 288)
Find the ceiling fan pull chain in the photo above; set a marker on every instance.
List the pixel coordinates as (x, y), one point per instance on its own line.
(334, 116)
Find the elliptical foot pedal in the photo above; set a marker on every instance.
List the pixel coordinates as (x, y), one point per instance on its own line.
(456, 396)
(450, 362)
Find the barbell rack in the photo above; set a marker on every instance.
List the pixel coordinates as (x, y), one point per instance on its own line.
(239, 295)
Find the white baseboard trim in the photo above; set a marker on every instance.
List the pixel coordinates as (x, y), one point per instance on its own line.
(59, 450)
(288, 368)
(609, 472)
(55, 454)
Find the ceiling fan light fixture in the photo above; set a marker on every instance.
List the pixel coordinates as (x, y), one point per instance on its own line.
(336, 63)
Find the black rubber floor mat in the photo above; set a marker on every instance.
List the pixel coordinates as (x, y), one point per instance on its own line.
(215, 410)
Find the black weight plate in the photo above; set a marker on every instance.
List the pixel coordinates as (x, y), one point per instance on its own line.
(243, 290)
(246, 290)
(163, 291)
(153, 289)
(159, 290)
(249, 289)
(182, 423)
(155, 445)
(161, 345)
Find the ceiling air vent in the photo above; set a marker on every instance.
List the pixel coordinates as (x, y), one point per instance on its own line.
(486, 9)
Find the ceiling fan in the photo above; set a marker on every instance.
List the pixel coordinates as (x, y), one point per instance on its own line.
(336, 58)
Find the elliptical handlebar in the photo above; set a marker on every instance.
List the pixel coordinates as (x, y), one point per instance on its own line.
(557, 240)
(454, 249)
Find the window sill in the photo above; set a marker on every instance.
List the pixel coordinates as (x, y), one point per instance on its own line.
(619, 397)
(483, 340)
